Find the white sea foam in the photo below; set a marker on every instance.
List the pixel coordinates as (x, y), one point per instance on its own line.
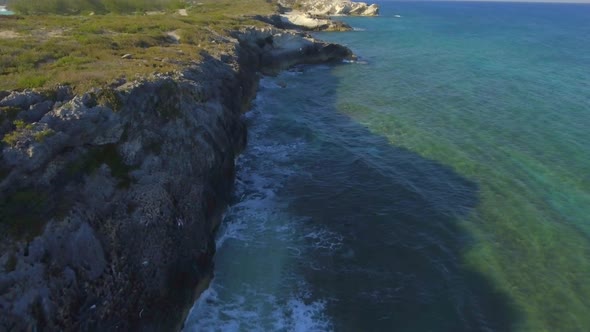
(357, 61)
(307, 317)
(265, 313)
(269, 84)
(258, 245)
(324, 239)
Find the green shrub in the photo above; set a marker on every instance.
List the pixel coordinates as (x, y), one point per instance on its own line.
(20, 127)
(40, 136)
(11, 138)
(109, 98)
(32, 81)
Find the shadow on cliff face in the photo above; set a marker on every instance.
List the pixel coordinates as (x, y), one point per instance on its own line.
(396, 261)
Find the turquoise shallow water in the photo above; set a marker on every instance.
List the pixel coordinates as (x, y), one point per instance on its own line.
(441, 183)
(4, 11)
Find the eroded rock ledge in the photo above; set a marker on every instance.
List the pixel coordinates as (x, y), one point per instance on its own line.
(314, 15)
(332, 7)
(109, 200)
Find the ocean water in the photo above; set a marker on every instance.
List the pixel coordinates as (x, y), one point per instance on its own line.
(440, 183)
(4, 11)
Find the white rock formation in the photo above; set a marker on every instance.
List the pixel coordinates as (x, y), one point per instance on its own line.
(333, 7)
(304, 20)
(308, 22)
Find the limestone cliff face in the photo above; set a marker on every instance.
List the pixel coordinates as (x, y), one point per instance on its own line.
(294, 19)
(332, 7)
(109, 200)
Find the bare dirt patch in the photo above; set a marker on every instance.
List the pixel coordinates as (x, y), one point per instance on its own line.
(9, 34)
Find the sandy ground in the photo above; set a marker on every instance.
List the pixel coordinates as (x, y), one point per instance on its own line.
(8, 34)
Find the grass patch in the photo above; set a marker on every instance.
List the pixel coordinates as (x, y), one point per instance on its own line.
(72, 7)
(32, 81)
(85, 51)
(20, 128)
(40, 136)
(109, 98)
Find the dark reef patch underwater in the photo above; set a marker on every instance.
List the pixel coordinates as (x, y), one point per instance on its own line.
(440, 184)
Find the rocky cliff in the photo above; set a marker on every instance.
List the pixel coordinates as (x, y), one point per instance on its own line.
(332, 7)
(109, 199)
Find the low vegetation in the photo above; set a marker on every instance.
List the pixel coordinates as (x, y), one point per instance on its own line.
(20, 128)
(91, 43)
(40, 136)
(69, 7)
(83, 46)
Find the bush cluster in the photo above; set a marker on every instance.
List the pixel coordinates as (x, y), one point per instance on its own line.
(72, 7)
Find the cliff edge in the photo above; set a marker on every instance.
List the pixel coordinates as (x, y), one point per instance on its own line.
(109, 199)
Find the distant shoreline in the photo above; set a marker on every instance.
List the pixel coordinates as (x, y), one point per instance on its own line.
(5, 11)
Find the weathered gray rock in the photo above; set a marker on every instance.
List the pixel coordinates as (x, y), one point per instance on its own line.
(4, 94)
(124, 188)
(88, 251)
(310, 22)
(22, 99)
(36, 111)
(279, 49)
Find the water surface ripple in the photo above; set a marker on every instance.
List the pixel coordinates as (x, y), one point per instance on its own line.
(440, 184)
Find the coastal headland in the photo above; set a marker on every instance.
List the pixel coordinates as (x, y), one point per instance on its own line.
(119, 134)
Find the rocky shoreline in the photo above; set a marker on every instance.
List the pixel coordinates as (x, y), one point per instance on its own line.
(110, 199)
(332, 7)
(314, 15)
(127, 186)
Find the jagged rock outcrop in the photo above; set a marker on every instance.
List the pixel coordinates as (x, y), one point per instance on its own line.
(332, 7)
(280, 50)
(310, 22)
(294, 19)
(109, 199)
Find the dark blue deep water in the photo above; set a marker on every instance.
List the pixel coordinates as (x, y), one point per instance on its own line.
(440, 183)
